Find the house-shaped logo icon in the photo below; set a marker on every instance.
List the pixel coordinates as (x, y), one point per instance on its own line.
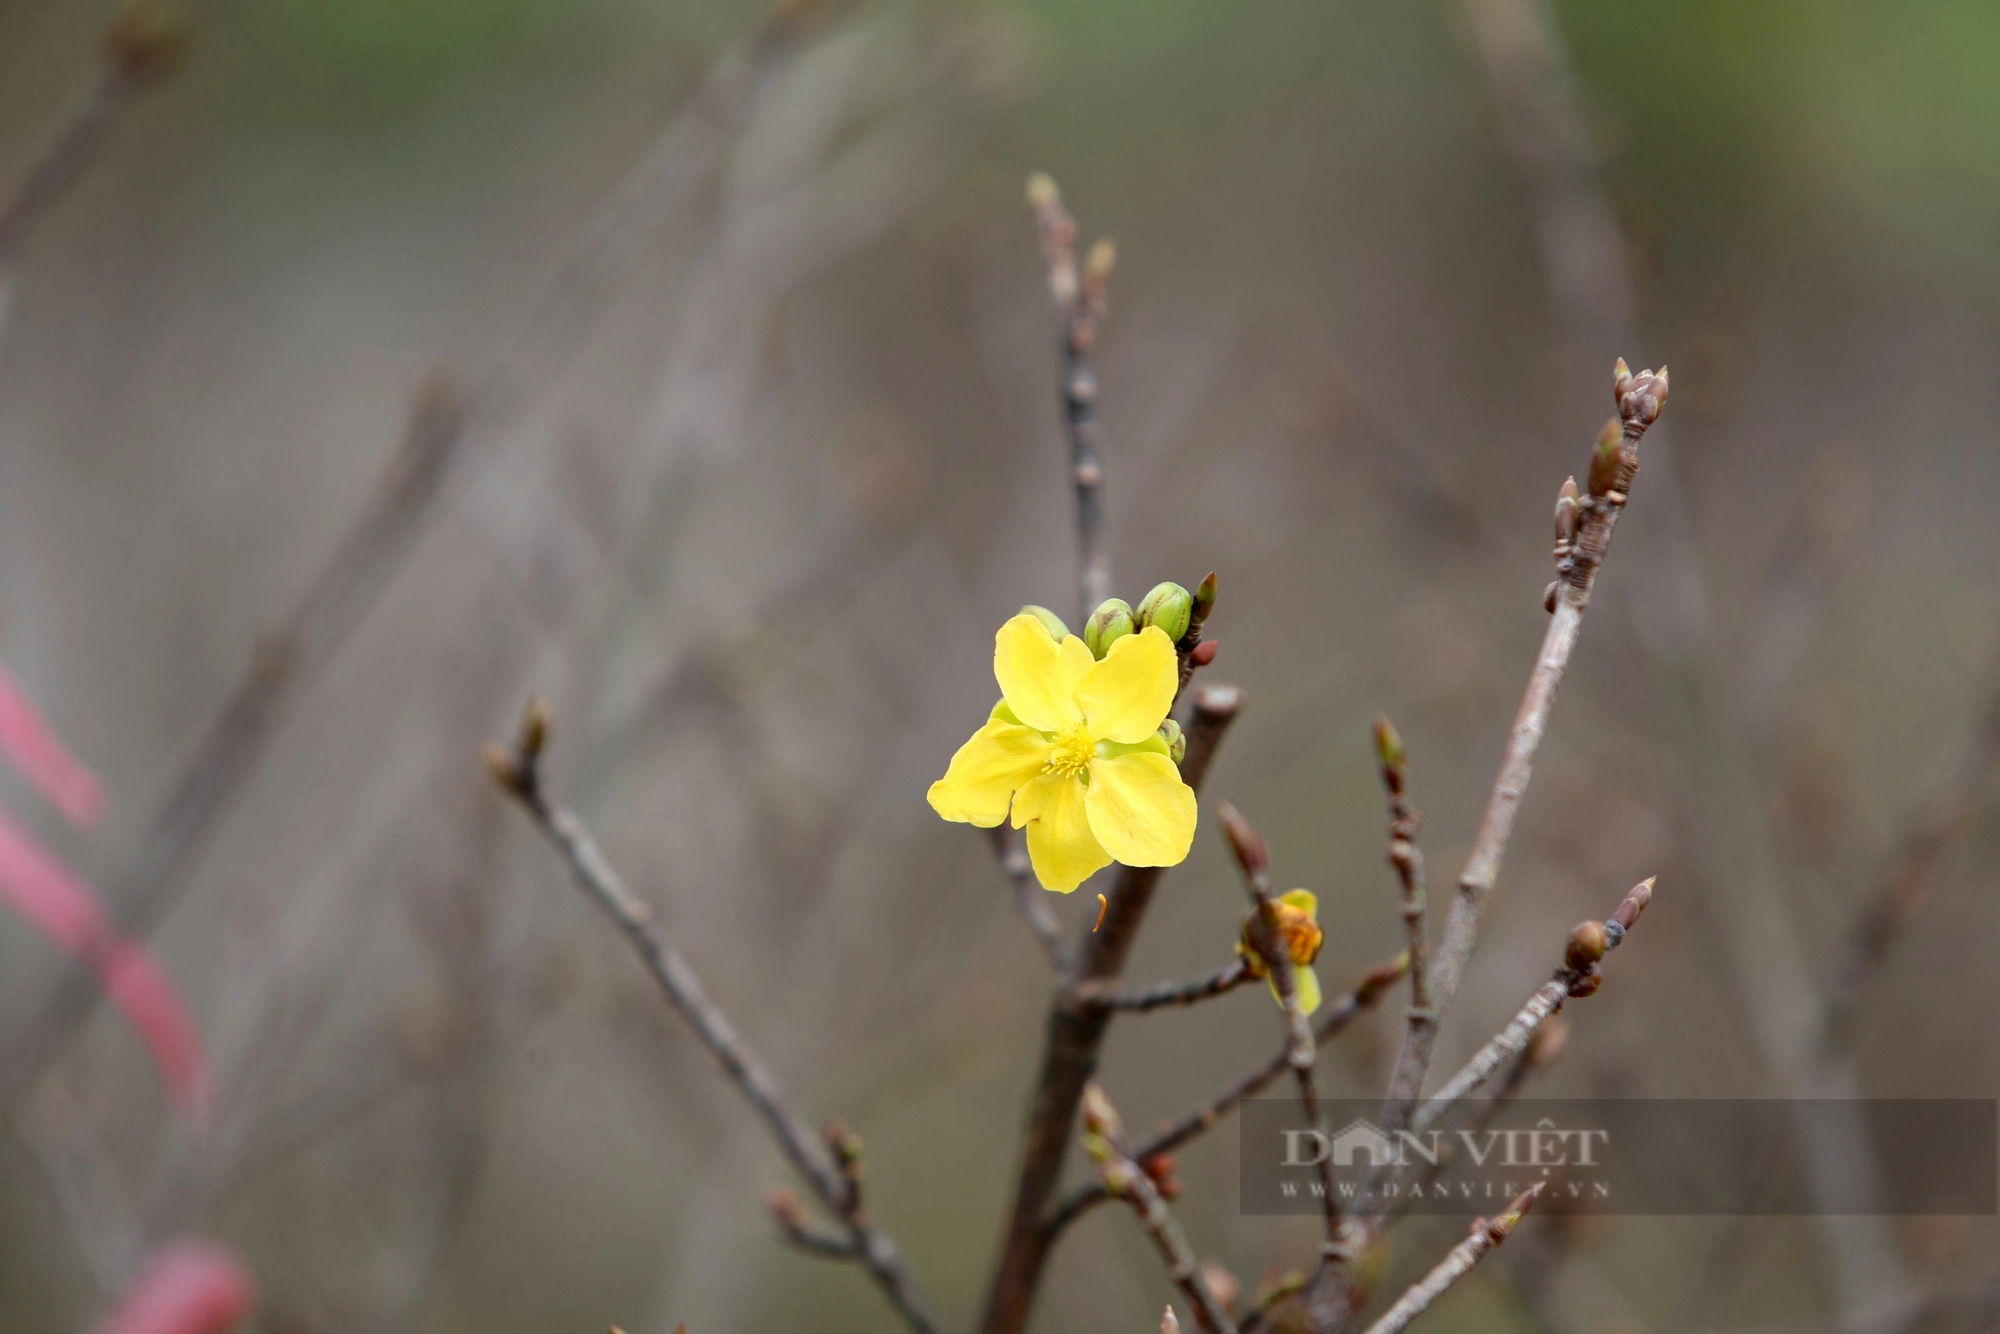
(1360, 1144)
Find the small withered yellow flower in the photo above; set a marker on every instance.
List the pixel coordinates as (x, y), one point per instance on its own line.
(1300, 934)
(1073, 751)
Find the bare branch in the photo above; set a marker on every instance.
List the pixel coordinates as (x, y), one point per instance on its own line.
(1162, 994)
(518, 771)
(1486, 1234)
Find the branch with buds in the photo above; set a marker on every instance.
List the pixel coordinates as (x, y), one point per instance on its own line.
(1123, 1177)
(830, 1165)
(1080, 296)
(1270, 939)
(1333, 1019)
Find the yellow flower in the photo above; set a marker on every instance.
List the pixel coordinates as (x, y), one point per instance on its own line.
(1300, 934)
(1073, 749)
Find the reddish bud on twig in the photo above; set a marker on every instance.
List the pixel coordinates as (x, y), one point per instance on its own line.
(1160, 1168)
(1587, 983)
(1204, 653)
(1225, 1285)
(785, 1210)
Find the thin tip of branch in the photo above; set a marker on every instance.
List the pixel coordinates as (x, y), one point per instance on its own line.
(1248, 846)
(1636, 902)
(1169, 1324)
(1498, 1228)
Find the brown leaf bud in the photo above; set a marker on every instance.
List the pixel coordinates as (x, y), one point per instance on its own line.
(1566, 511)
(1586, 946)
(1635, 903)
(148, 40)
(1603, 478)
(1587, 985)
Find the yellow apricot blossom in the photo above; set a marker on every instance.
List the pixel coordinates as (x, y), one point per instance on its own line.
(1073, 751)
(1300, 935)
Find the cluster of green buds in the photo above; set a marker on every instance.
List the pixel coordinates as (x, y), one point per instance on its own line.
(1168, 608)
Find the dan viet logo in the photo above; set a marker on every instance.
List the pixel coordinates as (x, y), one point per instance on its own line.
(1493, 1161)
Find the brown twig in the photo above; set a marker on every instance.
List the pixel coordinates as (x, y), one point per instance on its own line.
(1125, 1179)
(1583, 527)
(145, 43)
(1486, 1234)
(1408, 862)
(1583, 534)
(1331, 1021)
(518, 771)
(1079, 298)
(1162, 994)
(1906, 886)
(1267, 935)
(1076, 1028)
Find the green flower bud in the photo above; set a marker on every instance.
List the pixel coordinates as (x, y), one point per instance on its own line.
(1111, 622)
(1168, 606)
(1050, 621)
(1176, 740)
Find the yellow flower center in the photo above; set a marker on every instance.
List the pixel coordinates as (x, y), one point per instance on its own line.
(1072, 752)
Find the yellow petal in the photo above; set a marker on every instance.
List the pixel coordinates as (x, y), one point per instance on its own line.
(1039, 676)
(1034, 796)
(982, 777)
(1126, 697)
(1302, 899)
(1306, 983)
(1140, 809)
(1064, 851)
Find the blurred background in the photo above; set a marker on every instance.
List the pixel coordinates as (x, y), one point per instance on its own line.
(693, 364)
